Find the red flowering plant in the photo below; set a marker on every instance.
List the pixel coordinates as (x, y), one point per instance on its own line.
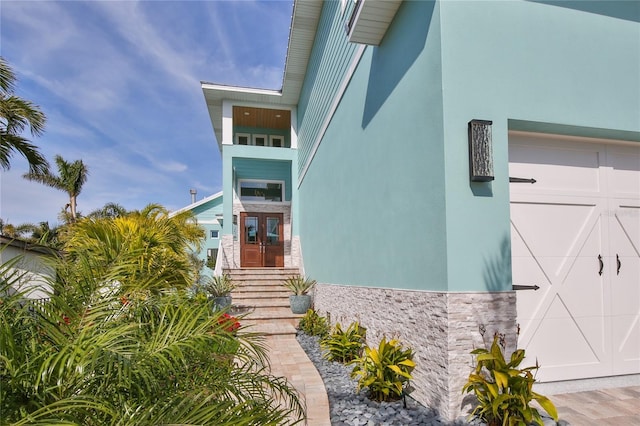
(229, 323)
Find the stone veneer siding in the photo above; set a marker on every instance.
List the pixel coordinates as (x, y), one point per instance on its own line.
(441, 327)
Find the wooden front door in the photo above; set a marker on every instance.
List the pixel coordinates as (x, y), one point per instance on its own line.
(262, 240)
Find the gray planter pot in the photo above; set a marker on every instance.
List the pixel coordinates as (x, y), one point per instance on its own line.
(300, 304)
(221, 302)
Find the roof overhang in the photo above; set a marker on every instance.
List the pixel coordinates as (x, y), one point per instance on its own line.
(196, 204)
(304, 22)
(370, 20)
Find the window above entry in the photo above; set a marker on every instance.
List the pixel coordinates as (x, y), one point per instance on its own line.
(261, 191)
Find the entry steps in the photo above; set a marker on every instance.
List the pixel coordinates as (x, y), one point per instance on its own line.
(260, 290)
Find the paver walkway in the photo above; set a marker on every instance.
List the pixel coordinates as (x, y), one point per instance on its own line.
(289, 360)
(605, 407)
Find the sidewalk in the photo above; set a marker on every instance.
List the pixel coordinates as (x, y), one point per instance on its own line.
(606, 407)
(288, 359)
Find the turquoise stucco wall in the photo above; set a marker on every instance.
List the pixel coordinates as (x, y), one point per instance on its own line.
(387, 199)
(372, 202)
(526, 66)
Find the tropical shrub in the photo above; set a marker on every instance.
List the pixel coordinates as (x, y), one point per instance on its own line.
(314, 324)
(219, 285)
(384, 370)
(344, 346)
(150, 247)
(299, 285)
(100, 352)
(504, 391)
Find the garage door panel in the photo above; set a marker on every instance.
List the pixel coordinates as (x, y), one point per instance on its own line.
(553, 230)
(624, 177)
(570, 231)
(566, 346)
(583, 290)
(547, 164)
(626, 335)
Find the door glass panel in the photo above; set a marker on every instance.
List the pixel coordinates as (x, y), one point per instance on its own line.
(251, 230)
(273, 230)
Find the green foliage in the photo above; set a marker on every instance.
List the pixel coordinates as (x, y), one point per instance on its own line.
(147, 250)
(95, 355)
(504, 391)
(299, 285)
(313, 324)
(16, 116)
(384, 370)
(344, 346)
(218, 286)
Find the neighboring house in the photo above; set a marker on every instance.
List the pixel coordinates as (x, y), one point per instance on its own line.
(208, 213)
(31, 265)
(419, 221)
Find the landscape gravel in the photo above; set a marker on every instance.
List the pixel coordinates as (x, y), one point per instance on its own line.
(350, 408)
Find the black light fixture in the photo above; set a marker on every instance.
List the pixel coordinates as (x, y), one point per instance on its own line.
(480, 151)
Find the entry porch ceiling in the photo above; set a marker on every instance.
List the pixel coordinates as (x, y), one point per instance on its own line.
(304, 22)
(261, 117)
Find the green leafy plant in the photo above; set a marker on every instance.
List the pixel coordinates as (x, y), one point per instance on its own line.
(384, 370)
(314, 324)
(504, 391)
(299, 285)
(106, 348)
(344, 345)
(218, 286)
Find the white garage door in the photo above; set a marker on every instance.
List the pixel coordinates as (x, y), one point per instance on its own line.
(576, 234)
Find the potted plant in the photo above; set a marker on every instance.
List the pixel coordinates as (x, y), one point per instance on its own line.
(219, 288)
(300, 301)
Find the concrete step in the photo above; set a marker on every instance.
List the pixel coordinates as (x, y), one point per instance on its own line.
(274, 328)
(257, 302)
(265, 301)
(257, 287)
(262, 294)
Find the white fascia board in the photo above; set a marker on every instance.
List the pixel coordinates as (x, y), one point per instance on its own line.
(196, 204)
(294, 128)
(227, 122)
(239, 89)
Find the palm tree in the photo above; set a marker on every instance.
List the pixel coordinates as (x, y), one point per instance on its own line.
(94, 356)
(149, 246)
(16, 114)
(109, 210)
(72, 176)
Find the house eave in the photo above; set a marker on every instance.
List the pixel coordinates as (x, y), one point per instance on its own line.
(304, 22)
(370, 20)
(196, 204)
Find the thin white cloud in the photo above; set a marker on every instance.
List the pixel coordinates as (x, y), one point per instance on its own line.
(120, 84)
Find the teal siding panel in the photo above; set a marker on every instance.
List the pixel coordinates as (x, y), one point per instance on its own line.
(329, 61)
(208, 210)
(372, 201)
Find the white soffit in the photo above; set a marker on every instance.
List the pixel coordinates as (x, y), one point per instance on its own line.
(304, 23)
(370, 20)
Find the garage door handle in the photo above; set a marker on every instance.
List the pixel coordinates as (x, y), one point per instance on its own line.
(618, 263)
(601, 264)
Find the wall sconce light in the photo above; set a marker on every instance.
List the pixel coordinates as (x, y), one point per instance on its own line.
(480, 151)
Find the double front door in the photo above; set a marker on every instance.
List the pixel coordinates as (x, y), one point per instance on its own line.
(262, 241)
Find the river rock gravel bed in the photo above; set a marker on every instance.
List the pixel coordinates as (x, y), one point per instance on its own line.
(349, 408)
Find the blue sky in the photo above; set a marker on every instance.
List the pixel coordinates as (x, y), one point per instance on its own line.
(119, 82)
